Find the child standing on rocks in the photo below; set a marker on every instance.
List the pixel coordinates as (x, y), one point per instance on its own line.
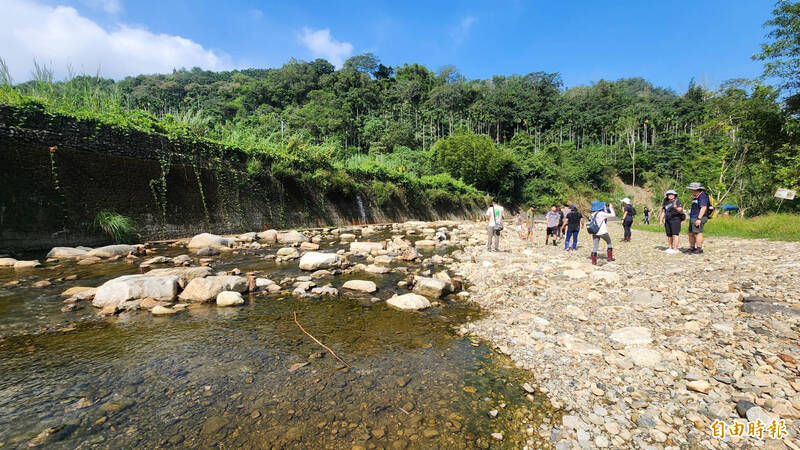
(598, 228)
(520, 225)
(553, 218)
(529, 218)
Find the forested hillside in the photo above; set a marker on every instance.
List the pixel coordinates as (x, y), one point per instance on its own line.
(522, 137)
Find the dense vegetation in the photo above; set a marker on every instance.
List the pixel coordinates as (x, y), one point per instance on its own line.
(525, 138)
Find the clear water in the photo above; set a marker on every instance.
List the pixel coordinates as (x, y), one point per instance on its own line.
(222, 376)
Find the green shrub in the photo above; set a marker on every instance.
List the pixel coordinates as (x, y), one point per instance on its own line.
(386, 193)
(119, 228)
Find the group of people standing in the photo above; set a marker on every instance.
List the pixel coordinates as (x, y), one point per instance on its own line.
(673, 215)
(567, 221)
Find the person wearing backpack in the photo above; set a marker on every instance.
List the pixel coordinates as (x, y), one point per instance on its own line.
(598, 228)
(495, 215)
(671, 217)
(628, 211)
(698, 216)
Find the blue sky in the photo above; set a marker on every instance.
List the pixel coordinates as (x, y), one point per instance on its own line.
(667, 43)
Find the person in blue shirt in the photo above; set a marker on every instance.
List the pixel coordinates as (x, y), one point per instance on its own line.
(698, 216)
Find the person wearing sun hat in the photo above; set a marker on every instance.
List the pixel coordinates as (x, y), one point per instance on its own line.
(698, 216)
(671, 217)
(627, 218)
(599, 217)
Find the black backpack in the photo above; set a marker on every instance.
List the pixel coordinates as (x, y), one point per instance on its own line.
(633, 211)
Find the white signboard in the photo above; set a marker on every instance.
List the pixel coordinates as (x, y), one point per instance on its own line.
(786, 194)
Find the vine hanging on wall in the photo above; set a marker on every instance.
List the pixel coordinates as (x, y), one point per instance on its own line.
(57, 187)
(200, 187)
(158, 186)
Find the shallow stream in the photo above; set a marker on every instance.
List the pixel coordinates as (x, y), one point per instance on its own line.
(247, 376)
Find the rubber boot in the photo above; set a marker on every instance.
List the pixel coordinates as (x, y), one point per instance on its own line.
(594, 258)
(610, 253)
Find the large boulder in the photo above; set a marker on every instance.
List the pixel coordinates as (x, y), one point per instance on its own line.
(186, 274)
(425, 244)
(110, 251)
(291, 237)
(7, 262)
(409, 302)
(229, 298)
(317, 260)
(66, 253)
(269, 236)
(132, 287)
(430, 287)
(247, 237)
(208, 240)
(206, 289)
(27, 264)
(361, 286)
(366, 247)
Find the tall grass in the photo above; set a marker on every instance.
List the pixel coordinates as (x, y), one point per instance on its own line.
(119, 228)
(775, 227)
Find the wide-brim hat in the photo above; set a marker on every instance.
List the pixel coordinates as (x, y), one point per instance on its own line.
(626, 200)
(695, 187)
(671, 191)
(597, 205)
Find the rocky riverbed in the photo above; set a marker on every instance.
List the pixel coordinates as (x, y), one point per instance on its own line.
(647, 351)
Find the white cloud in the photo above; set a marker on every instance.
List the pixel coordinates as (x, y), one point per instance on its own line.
(60, 37)
(109, 6)
(461, 32)
(322, 44)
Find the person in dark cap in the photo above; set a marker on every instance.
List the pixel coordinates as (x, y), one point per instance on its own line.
(698, 216)
(572, 224)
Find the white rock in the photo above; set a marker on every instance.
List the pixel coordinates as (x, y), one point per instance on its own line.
(159, 310)
(229, 298)
(645, 357)
(66, 253)
(409, 302)
(632, 336)
(110, 251)
(269, 236)
(186, 274)
(7, 262)
(361, 285)
(425, 244)
(578, 345)
(430, 287)
(26, 264)
(206, 289)
(209, 240)
(132, 287)
(291, 237)
(366, 247)
(317, 260)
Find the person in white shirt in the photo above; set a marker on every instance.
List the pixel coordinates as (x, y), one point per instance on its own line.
(600, 216)
(495, 215)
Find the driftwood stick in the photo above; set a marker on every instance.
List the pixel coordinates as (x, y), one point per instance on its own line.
(318, 342)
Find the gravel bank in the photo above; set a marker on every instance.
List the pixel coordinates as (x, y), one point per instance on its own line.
(650, 350)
